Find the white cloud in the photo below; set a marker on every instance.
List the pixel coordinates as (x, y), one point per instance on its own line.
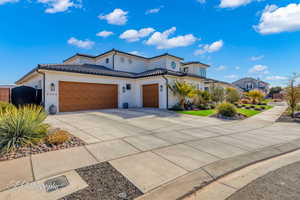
(153, 10)
(279, 19)
(135, 35)
(201, 1)
(55, 6)
(259, 69)
(84, 44)
(104, 34)
(162, 40)
(210, 48)
(135, 53)
(256, 58)
(8, 1)
(117, 17)
(232, 76)
(237, 68)
(276, 78)
(221, 68)
(233, 3)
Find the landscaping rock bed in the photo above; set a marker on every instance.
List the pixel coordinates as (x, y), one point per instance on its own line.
(105, 183)
(285, 117)
(41, 148)
(236, 117)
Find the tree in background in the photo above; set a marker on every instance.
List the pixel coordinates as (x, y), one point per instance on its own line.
(293, 94)
(256, 96)
(232, 95)
(274, 90)
(182, 91)
(217, 94)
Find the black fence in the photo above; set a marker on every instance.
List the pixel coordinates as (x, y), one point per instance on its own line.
(26, 95)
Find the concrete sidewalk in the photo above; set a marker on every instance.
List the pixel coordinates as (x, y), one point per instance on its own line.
(157, 150)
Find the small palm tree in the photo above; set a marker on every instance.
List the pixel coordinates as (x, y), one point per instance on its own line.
(182, 91)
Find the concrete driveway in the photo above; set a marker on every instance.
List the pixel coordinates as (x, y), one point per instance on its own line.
(164, 145)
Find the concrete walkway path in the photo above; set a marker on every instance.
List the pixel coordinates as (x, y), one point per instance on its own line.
(151, 148)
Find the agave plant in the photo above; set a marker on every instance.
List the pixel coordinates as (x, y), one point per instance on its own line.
(21, 126)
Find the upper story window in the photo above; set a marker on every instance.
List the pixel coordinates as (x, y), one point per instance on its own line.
(130, 61)
(249, 86)
(107, 60)
(122, 59)
(186, 69)
(173, 65)
(202, 72)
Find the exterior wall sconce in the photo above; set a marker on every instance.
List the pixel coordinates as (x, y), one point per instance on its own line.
(52, 87)
(124, 89)
(161, 87)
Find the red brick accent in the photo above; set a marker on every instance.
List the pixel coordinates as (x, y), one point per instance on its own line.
(4, 94)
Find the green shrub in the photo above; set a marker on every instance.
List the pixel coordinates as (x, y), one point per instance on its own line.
(22, 126)
(227, 109)
(4, 106)
(298, 107)
(232, 95)
(59, 137)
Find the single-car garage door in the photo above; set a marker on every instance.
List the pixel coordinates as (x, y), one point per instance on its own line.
(75, 96)
(150, 96)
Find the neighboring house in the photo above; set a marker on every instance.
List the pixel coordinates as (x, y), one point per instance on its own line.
(5, 92)
(248, 84)
(114, 78)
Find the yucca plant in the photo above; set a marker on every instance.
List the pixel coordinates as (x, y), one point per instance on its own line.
(21, 126)
(5, 105)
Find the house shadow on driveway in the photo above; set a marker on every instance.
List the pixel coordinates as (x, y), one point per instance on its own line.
(128, 113)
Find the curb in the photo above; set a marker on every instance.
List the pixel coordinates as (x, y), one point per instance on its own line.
(188, 184)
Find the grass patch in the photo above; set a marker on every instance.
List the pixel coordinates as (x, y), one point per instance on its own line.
(203, 113)
(248, 113)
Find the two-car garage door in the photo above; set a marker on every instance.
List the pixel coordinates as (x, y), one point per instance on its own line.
(75, 96)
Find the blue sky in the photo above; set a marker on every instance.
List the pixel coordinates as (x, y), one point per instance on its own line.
(258, 38)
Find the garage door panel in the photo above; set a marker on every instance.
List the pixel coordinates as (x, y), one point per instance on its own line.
(150, 96)
(75, 96)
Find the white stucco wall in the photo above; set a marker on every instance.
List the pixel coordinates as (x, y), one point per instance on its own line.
(102, 61)
(133, 97)
(157, 63)
(136, 65)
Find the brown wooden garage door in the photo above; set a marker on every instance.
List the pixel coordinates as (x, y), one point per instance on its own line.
(75, 96)
(4, 94)
(150, 96)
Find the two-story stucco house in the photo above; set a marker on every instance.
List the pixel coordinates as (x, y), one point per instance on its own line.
(247, 84)
(113, 79)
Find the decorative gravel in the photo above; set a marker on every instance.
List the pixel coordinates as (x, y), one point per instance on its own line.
(285, 117)
(237, 117)
(105, 183)
(41, 148)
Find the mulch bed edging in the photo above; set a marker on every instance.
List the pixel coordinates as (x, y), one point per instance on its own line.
(41, 148)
